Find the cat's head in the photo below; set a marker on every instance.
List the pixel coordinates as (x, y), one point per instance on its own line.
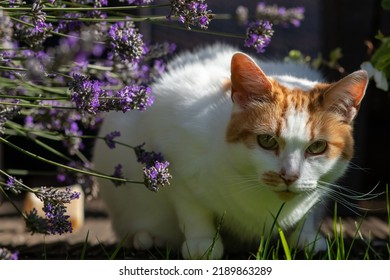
(295, 138)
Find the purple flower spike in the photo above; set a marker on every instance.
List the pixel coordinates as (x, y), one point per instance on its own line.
(110, 139)
(125, 41)
(258, 35)
(89, 96)
(55, 221)
(135, 97)
(118, 174)
(280, 15)
(157, 176)
(6, 254)
(191, 13)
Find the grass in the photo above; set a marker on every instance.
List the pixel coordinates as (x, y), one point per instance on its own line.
(338, 246)
(278, 247)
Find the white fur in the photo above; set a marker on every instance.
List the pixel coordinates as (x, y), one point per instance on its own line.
(211, 178)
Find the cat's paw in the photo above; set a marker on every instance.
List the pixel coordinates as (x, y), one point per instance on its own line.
(202, 248)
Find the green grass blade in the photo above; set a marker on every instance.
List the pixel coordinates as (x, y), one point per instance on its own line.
(356, 235)
(107, 255)
(286, 248)
(85, 245)
(215, 237)
(263, 251)
(341, 244)
(118, 247)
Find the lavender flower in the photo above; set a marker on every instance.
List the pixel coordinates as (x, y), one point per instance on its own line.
(133, 97)
(69, 23)
(156, 172)
(157, 176)
(191, 13)
(118, 174)
(89, 96)
(6, 254)
(51, 117)
(69, 177)
(280, 15)
(7, 113)
(13, 185)
(159, 50)
(56, 221)
(125, 41)
(146, 70)
(14, 3)
(38, 16)
(36, 35)
(138, 2)
(110, 139)
(147, 158)
(86, 93)
(35, 223)
(36, 64)
(258, 35)
(242, 13)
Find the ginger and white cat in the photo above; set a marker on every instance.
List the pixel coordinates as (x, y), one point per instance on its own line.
(243, 138)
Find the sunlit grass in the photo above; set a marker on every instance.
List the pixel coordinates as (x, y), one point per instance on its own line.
(281, 246)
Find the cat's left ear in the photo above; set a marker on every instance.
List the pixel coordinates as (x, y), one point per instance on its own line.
(248, 81)
(344, 97)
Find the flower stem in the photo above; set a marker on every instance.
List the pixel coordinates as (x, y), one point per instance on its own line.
(21, 132)
(3, 140)
(29, 105)
(12, 68)
(84, 9)
(231, 35)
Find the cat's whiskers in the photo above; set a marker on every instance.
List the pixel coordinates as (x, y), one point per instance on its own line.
(236, 185)
(352, 194)
(344, 196)
(242, 184)
(354, 166)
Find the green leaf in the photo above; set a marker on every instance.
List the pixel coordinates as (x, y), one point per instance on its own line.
(381, 57)
(386, 4)
(335, 55)
(317, 62)
(295, 55)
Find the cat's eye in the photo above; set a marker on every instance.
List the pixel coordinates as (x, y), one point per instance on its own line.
(267, 142)
(317, 147)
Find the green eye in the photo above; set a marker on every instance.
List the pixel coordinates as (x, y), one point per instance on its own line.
(317, 148)
(267, 142)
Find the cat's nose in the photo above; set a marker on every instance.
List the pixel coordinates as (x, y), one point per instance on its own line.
(289, 179)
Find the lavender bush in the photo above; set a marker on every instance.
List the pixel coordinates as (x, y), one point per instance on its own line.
(62, 63)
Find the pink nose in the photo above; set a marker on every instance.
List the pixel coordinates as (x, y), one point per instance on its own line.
(289, 179)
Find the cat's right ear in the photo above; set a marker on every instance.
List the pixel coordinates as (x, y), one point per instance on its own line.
(248, 81)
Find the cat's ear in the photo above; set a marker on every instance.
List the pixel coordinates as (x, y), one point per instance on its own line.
(248, 81)
(344, 97)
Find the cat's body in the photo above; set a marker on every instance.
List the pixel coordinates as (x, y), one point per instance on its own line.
(240, 146)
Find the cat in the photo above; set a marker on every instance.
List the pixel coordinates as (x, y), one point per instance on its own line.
(245, 138)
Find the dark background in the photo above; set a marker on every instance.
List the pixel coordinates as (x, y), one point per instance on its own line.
(328, 24)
